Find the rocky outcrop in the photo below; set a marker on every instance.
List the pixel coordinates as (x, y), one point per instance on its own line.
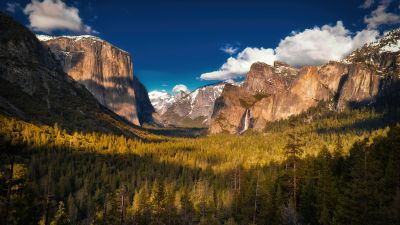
(276, 92)
(106, 71)
(262, 83)
(33, 86)
(381, 56)
(361, 86)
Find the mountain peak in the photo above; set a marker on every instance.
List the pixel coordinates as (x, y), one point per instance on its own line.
(382, 55)
(77, 38)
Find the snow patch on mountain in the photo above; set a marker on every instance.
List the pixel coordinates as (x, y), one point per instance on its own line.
(46, 38)
(391, 47)
(161, 100)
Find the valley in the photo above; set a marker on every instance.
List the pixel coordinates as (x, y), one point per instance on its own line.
(83, 142)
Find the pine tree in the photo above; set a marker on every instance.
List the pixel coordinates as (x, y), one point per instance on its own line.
(157, 202)
(230, 221)
(361, 196)
(72, 209)
(293, 150)
(61, 217)
(139, 208)
(326, 188)
(186, 210)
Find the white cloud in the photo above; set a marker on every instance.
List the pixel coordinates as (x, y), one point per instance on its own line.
(367, 4)
(364, 36)
(319, 45)
(379, 16)
(235, 67)
(12, 7)
(229, 49)
(310, 47)
(180, 88)
(51, 15)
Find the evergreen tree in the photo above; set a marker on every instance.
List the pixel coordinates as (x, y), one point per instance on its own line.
(61, 217)
(326, 188)
(157, 202)
(293, 151)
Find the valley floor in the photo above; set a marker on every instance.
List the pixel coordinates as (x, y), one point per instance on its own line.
(320, 167)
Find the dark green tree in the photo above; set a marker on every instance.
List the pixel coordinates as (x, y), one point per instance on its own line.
(61, 217)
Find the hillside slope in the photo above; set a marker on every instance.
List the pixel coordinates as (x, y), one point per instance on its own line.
(34, 87)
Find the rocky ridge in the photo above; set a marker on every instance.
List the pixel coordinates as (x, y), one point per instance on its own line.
(271, 93)
(188, 109)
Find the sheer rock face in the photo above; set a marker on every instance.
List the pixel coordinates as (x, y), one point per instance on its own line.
(362, 85)
(262, 83)
(34, 87)
(277, 92)
(106, 71)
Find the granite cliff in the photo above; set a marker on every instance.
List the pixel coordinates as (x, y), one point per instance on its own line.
(276, 92)
(106, 71)
(34, 87)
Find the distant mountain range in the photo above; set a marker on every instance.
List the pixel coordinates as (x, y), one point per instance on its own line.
(188, 109)
(87, 83)
(161, 100)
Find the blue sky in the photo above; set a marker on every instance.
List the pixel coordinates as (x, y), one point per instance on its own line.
(175, 42)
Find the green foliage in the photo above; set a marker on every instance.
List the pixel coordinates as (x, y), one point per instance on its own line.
(260, 96)
(245, 103)
(112, 179)
(61, 217)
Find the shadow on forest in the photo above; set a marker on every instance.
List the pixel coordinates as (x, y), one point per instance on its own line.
(93, 177)
(109, 170)
(80, 114)
(386, 104)
(358, 126)
(179, 132)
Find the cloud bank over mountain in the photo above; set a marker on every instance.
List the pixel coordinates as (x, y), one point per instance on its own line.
(312, 46)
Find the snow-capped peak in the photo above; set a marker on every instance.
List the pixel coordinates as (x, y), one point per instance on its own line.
(161, 100)
(198, 103)
(391, 47)
(370, 52)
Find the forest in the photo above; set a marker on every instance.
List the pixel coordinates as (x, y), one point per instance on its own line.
(321, 167)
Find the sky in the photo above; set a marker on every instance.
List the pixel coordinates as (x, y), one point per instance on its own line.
(199, 42)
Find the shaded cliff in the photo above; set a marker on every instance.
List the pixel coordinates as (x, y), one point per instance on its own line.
(34, 87)
(277, 92)
(106, 71)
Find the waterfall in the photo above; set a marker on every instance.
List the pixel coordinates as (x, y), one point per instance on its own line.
(244, 122)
